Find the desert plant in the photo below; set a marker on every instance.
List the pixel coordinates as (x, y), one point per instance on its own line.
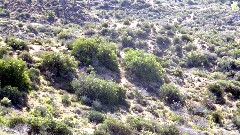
(107, 92)
(170, 130)
(196, 59)
(163, 41)
(66, 100)
(16, 44)
(114, 127)
(95, 52)
(218, 91)
(3, 51)
(143, 65)
(171, 94)
(60, 65)
(26, 56)
(95, 116)
(13, 72)
(5, 102)
(138, 123)
(12, 93)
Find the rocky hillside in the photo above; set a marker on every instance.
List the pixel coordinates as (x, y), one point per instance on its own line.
(119, 67)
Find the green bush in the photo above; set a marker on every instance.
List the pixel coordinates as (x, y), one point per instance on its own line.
(196, 59)
(114, 127)
(171, 94)
(218, 91)
(163, 41)
(138, 123)
(95, 116)
(60, 65)
(232, 87)
(3, 51)
(41, 125)
(186, 38)
(16, 44)
(11, 93)
(143, 65)
(170, 130)
(66, 100)
(5, 102)
(26, 56)
(127, 41)
(236, 121)
(106, 92)
(95, 52)
(217, 117)
(13, 72)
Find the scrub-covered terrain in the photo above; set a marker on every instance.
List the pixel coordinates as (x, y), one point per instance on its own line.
(119, 67)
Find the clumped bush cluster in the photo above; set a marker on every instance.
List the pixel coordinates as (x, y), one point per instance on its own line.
(143, 65)
(107, 92)
(196, 59)
(60, 65)
(16, 44)
(14, 80)
(171, 94)
(41, 125)
(95, 52)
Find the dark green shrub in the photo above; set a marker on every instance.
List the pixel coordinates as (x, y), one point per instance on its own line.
(232, 87)
(13, 72)
(186, 38)
(170, 130)
(60, 65)
(196, 59)
(236, 121)
(114, 127)
(12, 122)
(56, 127)
(95, 52)
(12, 93)
(106, 92)
(66, 100)
(95, 116)
(217, 117)
(3, 51)
(138, 123)
(127, 41)
(143, 65)
(171, 94)
(26, 56)
(5, 102)
(163, 41)
(218, 91)
(16, 44)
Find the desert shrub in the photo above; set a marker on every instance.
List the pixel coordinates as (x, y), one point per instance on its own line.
(186, 38)
(226, 64)
(218, 91)
(190, 47)
(232, 87)
(12, 93)
(171, 94)
(47, 126)
(34, 75)
(127, 41)
(16, 44)
(176, 40)
(3, 51)
(26, 56)
(114, 127)
(66, 100)
(95, 52)
(196, 59)
(143, 65)
(97, 105)
(236, 121)
(40, 111)
(170, 130)
(65, 35)
(163, 41)
(217, 117)
(138, 123)
(14, 121)
(107, 92)
(60, 65)
(13, 72)
(95, 116)
(5, 102)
